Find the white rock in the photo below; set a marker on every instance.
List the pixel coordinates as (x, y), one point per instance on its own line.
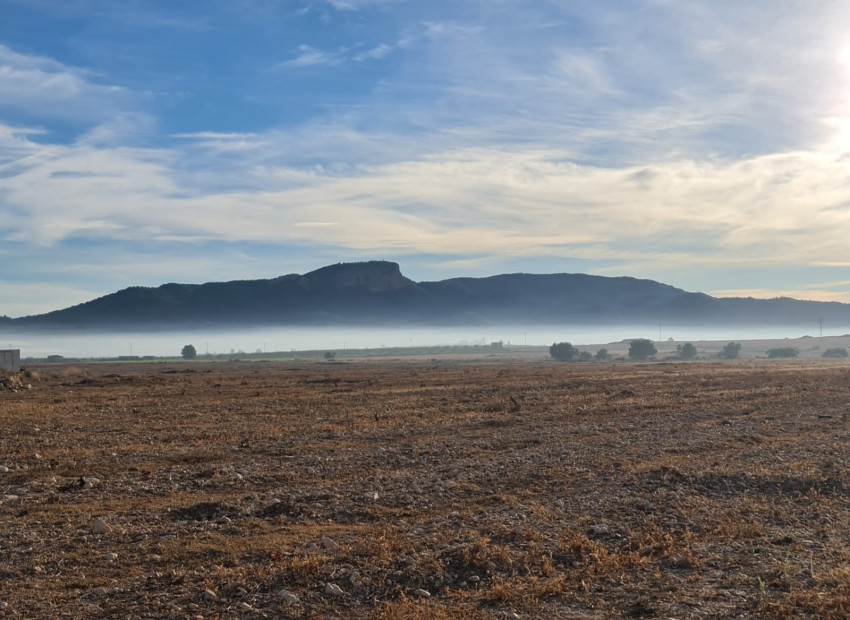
(421, 593)
(111, 557)
(4, 469)
(99, 526)
(245, 606)
(287, 597)
(210, 595)
(333, 590)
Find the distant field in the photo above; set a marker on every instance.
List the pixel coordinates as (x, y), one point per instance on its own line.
(427, 489)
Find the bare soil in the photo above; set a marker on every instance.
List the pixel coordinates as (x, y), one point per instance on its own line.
(438, 489)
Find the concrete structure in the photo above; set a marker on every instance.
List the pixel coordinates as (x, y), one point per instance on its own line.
(10, 359)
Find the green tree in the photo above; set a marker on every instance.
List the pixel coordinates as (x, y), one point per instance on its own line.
(731, 351)
(602, 355)
(641, 349)
(688, 351)
(835, 352)
(563, 352)
(188, 352)
(330, 355)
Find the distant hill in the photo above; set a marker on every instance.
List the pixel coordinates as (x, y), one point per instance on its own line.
(376, 292)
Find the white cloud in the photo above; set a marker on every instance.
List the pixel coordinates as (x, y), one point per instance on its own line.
(309, 56)
(374, 53)
(44, 87)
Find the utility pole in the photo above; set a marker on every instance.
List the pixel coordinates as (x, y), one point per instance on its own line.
(820, 323)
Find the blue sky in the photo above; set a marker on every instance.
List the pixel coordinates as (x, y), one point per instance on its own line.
(705, 144)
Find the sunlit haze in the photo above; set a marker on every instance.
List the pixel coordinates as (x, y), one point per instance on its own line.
(704, 144)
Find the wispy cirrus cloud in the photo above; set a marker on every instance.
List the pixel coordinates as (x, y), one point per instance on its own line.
(43, 87)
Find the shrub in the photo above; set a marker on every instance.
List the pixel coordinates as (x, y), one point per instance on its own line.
(783, 352)
(641, 349)
(835, 352)
(688, 351)
(602, 355)
(330, 355)
(731, 351)
(563, 351)
(188, 352)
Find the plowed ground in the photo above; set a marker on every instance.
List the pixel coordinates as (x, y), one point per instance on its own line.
(427, 490)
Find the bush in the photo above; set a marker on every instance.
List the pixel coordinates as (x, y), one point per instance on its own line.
(330, 355)
(731, 351)
(783, 352)
(835, 352)
(641, 349)
(188, 352)
(602, 355)
(687, 351)
(563, 352)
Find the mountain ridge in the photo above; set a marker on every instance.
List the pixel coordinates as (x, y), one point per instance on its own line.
(376, 292)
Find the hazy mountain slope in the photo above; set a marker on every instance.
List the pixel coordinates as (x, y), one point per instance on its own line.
(376, 292)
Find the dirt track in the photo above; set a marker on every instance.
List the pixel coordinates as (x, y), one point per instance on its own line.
(427, 490)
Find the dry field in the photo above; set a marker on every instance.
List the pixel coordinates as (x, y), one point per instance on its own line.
(433, 489)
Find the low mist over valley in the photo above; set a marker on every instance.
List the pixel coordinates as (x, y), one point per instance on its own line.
(373, 305)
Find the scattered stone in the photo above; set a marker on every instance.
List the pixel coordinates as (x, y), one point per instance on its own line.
(99, 526)
(474, 579)
(421, 593)
(287, 597)
(333, 590)
(90, 482)
(245, 606)
(600, 529)
(4, 469)
(209, 595)
(329, 544)
(111, 557)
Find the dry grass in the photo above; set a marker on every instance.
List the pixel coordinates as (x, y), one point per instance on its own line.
(427, 490)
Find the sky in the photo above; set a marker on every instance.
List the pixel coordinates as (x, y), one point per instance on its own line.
(699, 143)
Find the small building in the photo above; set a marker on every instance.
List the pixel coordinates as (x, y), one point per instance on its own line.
(10, 359)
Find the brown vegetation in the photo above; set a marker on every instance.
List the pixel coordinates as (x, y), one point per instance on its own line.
(427, 490)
